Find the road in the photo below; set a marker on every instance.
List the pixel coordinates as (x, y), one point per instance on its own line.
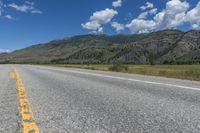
(67, 100)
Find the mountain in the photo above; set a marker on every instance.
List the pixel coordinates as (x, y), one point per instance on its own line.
(162, 47)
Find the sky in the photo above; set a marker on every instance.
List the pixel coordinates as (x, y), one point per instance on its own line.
(28, 22)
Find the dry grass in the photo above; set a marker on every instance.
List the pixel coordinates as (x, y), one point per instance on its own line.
(191, 72)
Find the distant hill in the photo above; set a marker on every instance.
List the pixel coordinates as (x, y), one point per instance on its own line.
(163, 47)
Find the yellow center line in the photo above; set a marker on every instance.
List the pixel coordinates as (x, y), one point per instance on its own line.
(12, 75)
(28, 121)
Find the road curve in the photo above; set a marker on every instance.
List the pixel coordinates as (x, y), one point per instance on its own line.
(83, 101)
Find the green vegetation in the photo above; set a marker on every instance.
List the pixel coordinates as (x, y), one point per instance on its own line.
(191, 72)
(162, 47)
(118, 68)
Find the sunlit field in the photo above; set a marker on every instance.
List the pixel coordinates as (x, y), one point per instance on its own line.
(191, 72)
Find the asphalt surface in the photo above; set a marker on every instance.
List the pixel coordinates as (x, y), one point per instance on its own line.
(9, 114)
(83, 101)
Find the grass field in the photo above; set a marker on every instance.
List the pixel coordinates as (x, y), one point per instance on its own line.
(191, 72)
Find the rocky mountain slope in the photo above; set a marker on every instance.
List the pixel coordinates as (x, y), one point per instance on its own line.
(163, 47)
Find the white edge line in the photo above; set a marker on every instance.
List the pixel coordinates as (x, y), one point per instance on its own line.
(128, 79)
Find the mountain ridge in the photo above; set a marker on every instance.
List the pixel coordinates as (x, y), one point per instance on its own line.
(162, 47)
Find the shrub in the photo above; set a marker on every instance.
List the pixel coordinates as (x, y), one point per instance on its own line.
(118, 68)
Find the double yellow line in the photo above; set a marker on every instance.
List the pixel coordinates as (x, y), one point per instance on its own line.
(28, 121)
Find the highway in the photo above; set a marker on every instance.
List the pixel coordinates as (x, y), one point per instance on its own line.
(69, 100)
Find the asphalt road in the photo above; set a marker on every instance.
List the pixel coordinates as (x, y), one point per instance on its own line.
(83, 101)
(9, 114)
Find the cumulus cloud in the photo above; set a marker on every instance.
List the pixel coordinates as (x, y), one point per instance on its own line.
(193, 17)
(91, 25)
(148, 5)
(118, 27)
(117, 3)
(171, 17)
(26, 7)
(98, 19)
(103, 16)
(141, 26)
(175, 14)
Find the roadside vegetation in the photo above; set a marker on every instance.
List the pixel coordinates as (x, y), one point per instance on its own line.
(191, 72)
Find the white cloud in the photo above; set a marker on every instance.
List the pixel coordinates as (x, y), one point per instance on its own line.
(143, 15)
(103, 16)
(99, 18)
(8, 17)
(147, 6)
(30, 3)
(141, 26)
(91, 25)
(21, 8)
(153, 11)
(193, 17)
(173, 16)
(169, 18)
(26, 7)
(36, 11)
(118, 27)
(117, 3)
(4, 51)
(100, 30)
(2, 12)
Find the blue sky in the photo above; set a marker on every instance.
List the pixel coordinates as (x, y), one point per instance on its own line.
(27, 22)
